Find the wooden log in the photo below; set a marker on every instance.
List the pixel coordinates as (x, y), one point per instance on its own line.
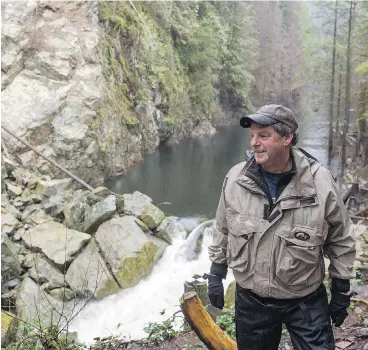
(201, 322)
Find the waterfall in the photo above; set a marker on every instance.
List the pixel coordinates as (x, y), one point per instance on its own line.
(154, 299)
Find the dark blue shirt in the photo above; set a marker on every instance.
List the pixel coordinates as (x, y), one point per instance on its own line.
(272, 181)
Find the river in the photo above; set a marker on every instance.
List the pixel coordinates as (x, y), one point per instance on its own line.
(189, 176)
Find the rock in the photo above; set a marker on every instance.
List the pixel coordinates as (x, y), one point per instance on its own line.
(10, 266)
(30, 209)
(4, 175)
(74, 213)
(170, 228)
(9, 224)
(18, 203)
(203, 128)
(35, 306)
(62, 294)
(54, 205)
(365, 237)
(119, 203)
(29, 197)
(10, 165)
(99, 213)
(38, 217)
(14, 190)
(59, 244)
(142, 226)
(19, 234)
(152, 216)
(26, 177)
(9, 326)
(135, 203)
(102, 192)
(43, 272)
(12, 283)
(127, 250)
(88, 274)
(230, 295)
(53, 187)
(9, 208)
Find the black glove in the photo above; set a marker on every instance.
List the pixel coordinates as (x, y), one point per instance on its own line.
(340, 301)
(216, 291)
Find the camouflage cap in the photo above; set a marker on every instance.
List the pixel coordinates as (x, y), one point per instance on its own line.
(271, 114)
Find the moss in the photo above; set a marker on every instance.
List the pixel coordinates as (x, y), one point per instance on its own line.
(135, 268)
(9, 326)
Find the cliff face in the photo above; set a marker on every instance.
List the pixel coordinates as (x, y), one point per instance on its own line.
(91, 86)
(59, 91)
(52, 82)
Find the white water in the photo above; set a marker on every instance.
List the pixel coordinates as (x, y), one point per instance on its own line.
(126, 313)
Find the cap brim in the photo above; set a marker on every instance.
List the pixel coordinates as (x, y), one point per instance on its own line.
(246, 122)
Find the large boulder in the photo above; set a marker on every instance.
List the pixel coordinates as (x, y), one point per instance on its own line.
(88, 274)
(169, 229)
(85, 218)
(9, 224)
(10, 265)
(43, 272)
(60, 244)
(135, 203)
(34, 305)
(99, 213)
(152, 216)
(139, 205)
(74, 213)
(53, 187)
(128, 251)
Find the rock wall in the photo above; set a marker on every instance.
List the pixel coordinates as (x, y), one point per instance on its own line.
(56, 96)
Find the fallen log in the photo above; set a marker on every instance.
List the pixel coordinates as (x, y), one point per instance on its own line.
(201, 322)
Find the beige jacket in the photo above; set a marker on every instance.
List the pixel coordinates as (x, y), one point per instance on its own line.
(282, 257)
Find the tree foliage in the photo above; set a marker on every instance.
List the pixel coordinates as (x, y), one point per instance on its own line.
(199, 55)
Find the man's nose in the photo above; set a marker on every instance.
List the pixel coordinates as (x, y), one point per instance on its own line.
(254, 141)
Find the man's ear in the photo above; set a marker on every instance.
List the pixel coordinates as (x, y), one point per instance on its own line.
(288, 139)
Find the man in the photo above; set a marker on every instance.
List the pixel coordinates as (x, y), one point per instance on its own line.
(279, 214)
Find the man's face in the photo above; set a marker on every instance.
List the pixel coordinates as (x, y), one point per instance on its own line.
(269, 146)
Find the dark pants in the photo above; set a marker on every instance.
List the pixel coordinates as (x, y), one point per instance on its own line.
(259, 321)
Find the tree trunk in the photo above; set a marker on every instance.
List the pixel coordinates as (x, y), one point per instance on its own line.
(337, 127)
(362, 141)
(332, 90)
(347, 95)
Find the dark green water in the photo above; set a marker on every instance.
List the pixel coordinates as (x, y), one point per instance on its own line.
(189, 175)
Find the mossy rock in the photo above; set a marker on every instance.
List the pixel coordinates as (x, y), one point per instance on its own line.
(152, 216)
(135, 268)
(230, 295)
(9, 325)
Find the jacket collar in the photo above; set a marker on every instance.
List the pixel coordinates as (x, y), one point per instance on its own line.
(301, 184)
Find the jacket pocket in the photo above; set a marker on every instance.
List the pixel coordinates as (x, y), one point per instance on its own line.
(240, 242)
(300, 259)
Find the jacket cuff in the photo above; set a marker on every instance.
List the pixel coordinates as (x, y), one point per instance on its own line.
(339, 285)
(219, 269)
